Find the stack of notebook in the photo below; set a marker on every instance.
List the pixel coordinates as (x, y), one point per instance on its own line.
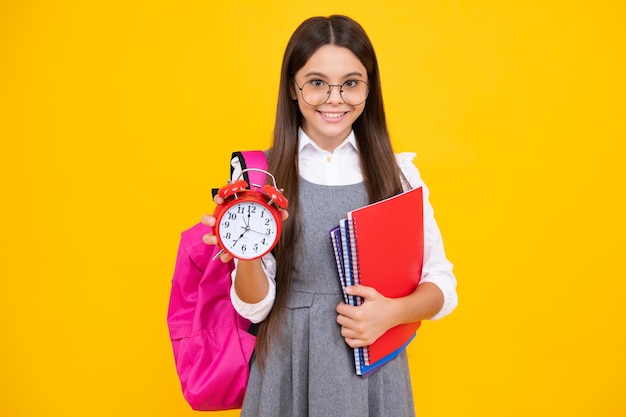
(382, 246)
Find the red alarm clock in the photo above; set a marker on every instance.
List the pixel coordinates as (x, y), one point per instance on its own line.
(249, 223)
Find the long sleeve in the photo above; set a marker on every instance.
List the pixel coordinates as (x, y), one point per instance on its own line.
(436, 269)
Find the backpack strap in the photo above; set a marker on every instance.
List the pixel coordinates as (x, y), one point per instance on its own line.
(249, 159)
(252, 159)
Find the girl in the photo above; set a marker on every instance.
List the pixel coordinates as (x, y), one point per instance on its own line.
(331, 153)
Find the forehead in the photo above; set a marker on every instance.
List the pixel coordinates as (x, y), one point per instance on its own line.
(334, 62)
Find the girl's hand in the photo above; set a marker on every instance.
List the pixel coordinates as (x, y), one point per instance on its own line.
(362, 325)
(210, 238)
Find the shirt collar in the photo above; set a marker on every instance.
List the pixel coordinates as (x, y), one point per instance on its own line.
(304, 141)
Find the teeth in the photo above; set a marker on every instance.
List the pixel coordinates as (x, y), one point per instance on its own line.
(332, 115)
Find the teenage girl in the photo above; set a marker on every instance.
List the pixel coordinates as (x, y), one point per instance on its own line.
(331, 153)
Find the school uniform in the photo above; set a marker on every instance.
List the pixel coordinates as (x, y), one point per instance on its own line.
(309, 369)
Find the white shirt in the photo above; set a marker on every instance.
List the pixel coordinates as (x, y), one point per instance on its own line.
(343, 167)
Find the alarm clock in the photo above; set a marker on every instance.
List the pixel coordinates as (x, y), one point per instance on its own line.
(248, 224)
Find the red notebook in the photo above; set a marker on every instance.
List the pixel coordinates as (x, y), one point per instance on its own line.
(388, 238)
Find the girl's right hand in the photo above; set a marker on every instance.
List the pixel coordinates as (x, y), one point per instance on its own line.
(210, 238)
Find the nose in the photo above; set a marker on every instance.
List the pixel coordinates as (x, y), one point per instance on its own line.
(334, 98)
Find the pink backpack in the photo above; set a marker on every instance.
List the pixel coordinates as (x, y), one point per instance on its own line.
(211, 341)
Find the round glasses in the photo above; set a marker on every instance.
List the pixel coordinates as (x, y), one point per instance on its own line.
(316, 92)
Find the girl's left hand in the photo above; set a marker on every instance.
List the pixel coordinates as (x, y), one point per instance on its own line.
(362, 325)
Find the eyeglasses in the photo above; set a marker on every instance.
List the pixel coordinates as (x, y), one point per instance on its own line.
(316, 92)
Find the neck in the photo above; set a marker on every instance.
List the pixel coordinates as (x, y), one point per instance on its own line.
(328, 143)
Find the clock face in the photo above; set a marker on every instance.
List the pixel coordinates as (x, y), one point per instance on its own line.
(248, 229)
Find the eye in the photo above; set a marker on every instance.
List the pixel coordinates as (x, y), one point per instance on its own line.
(317, 83)
(351, 84)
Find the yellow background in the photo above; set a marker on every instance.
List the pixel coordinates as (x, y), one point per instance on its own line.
(117, 117)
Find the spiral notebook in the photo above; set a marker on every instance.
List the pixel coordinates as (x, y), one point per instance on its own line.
(382, 246)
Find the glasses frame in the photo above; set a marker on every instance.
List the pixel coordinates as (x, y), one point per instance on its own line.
(329, 92)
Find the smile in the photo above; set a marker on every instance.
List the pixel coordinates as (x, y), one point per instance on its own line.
(333, 115)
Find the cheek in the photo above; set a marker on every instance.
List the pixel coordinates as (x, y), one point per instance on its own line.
(305, 109)
(358, 111)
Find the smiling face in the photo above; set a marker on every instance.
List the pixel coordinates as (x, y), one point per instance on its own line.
(330, 123)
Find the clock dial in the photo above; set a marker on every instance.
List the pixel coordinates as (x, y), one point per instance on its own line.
(248, 230)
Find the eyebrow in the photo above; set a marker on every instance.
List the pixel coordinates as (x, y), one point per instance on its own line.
(319, 74)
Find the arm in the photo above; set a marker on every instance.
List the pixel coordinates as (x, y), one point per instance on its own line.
(437, 269)
(246, 293)
(251, 283)
(435, 296)
(362, 325)
(253, 290)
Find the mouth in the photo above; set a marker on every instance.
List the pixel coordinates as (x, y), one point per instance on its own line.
(333, 116)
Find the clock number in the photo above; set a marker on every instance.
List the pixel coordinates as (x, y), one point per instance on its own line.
(227, 224)
(240, 210)
(232, 216)
(243, 248)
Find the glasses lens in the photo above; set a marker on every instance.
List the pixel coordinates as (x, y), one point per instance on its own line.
(354, 92)
(316, 92)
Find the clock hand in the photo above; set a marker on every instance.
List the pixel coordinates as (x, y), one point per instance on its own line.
(244, 219)
(234, 243)
(242, 233)
(255, 231)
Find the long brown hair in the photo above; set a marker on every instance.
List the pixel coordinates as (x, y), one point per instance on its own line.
(380, 170)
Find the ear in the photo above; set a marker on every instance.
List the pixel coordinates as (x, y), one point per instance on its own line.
(292, 90)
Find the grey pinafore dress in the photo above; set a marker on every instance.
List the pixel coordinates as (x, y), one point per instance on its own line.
(310, 369)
